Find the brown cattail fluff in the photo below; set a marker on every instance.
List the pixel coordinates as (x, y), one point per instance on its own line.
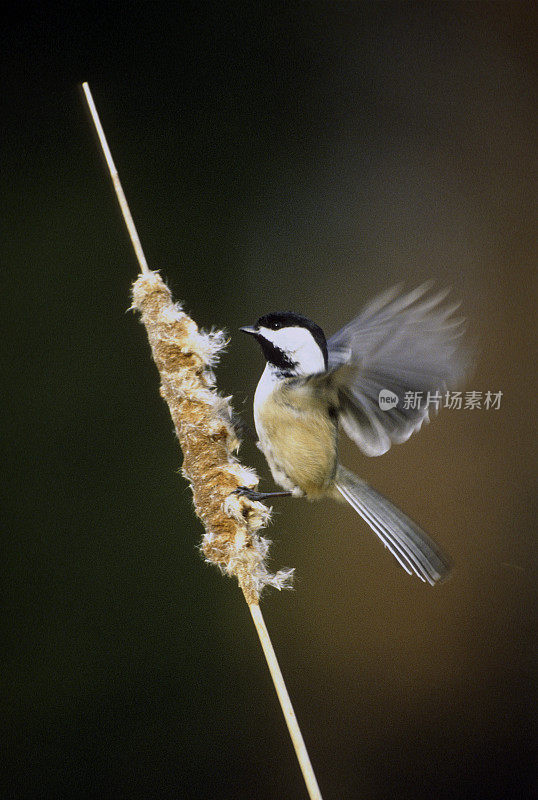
(185, 357)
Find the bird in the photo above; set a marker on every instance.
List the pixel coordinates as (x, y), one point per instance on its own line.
(400, 346)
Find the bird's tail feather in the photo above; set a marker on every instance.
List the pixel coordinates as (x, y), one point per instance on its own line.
(411, 547)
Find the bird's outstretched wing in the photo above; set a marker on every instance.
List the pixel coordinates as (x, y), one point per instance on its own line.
(401, 343)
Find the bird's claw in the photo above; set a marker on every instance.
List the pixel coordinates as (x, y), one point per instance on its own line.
(250, 494)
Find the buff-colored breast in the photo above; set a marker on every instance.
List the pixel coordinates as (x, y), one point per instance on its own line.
(298, 437)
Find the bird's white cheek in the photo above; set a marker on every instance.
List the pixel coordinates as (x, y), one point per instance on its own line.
(300, 347)
(309, 359)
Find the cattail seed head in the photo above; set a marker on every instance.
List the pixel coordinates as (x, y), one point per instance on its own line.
(185, 357)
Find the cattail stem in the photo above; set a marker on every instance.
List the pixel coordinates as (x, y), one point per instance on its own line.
(203, 420)
(285, 702)
(122, 200)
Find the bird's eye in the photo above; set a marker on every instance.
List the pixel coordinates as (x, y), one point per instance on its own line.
(275, 325)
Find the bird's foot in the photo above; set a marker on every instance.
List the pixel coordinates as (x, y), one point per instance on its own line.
(250, 494)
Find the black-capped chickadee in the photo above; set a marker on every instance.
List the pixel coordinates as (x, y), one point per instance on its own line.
(311, 386)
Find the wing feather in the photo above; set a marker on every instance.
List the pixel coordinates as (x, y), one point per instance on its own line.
(403, 343)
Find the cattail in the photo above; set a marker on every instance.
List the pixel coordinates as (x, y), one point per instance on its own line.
(185, 357)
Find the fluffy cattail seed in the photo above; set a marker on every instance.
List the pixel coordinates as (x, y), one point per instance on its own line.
(185, 357)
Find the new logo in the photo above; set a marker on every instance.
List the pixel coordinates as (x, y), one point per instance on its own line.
(387, 400)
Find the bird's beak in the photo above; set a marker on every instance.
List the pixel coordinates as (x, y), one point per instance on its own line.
(249, 329)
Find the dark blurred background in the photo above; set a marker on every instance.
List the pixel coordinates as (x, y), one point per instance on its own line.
(302, 157)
